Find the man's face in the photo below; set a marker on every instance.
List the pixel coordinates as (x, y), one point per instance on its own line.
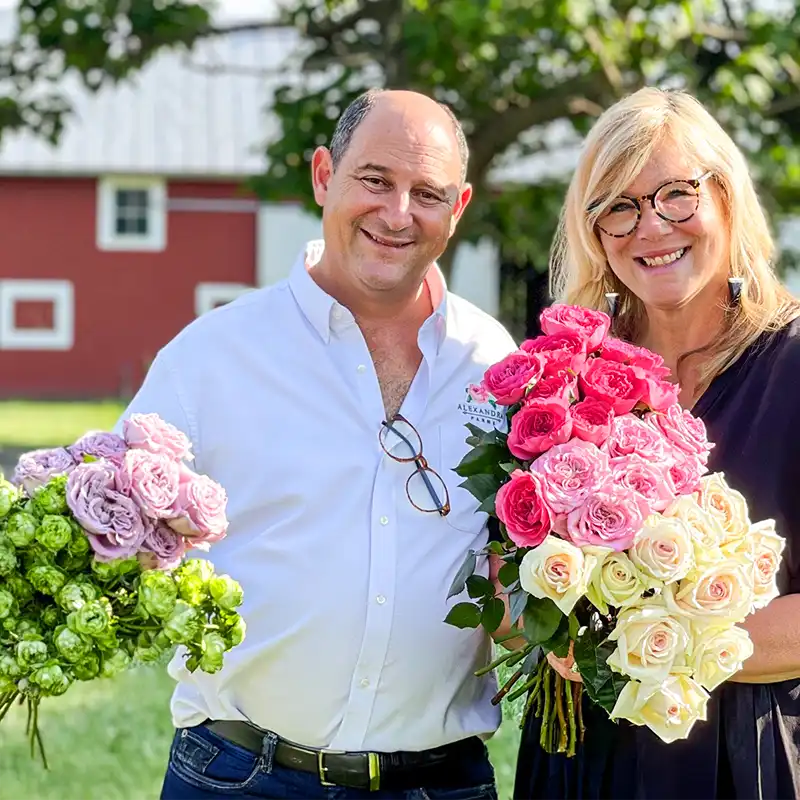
(391, 205)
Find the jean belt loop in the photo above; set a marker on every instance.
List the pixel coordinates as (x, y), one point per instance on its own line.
(268, 745)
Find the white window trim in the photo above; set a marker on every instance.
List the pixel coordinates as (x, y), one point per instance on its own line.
(60, 337)
(208, 295)
(107, 236)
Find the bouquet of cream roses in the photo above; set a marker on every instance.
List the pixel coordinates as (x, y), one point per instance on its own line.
(94, 577)
(616, 542)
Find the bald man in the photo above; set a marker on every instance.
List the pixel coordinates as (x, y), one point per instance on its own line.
(332, 407)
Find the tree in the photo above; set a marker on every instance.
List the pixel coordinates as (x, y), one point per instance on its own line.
(526, 78)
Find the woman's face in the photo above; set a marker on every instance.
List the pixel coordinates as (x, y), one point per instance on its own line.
(668, 264)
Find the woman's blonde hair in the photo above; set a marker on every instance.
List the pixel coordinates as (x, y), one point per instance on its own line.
(616, 150)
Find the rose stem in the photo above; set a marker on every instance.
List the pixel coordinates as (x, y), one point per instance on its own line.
(562, 722)
(504, 691)
(570, 720)
(544, 738)
(578, 689)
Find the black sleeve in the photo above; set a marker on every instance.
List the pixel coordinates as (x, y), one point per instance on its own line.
(494, 530)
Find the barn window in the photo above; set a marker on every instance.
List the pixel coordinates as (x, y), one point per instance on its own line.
(36, 315)
(131, 213)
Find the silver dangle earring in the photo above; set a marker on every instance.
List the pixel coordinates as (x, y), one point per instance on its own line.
(612, 302)
(735, 291)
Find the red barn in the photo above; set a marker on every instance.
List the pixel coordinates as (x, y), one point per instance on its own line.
(138, 221)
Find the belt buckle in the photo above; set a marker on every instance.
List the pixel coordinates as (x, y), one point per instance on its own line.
(373, 767)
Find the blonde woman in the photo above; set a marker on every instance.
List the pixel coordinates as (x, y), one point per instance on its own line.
(662, 212)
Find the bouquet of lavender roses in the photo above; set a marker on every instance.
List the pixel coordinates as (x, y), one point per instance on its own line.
(94, 577)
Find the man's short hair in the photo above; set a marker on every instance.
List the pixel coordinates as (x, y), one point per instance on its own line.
(357, 111)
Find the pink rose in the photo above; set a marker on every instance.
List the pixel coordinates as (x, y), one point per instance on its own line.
(507, 380)
(558, 384)
(591, 325)
(685, 472)
(150, 432)
(627, 353)
(683, 430)
(632, 436)
(200, 509)
(659, 395)
(521, 507)
(570, 473)
(646, 478)
(537, 426)
(613, 382)
(565, 350)
(591, 420)
(611, 517)
(152, 480)
(162, 548)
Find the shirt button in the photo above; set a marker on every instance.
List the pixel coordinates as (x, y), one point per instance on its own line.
(380, 599)
(384, 520)
(364, 683)
(361, 368)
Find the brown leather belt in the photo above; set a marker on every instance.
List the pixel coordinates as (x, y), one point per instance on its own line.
(355, 770)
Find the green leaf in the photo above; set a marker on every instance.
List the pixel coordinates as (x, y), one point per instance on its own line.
(485, 458)
(510, 466)
(496, 548)
(480, 486)
(466, 569)
(558, 643)
(541, 619)
(591, 652)
(574, 626)
(478, 586)
(488, 504)
(493, 612)
(464, 615)
(508, 573)
(517, 601)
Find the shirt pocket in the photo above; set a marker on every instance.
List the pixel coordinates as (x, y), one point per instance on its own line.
(464, 514)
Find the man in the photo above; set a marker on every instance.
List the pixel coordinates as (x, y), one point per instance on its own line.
(331, 407)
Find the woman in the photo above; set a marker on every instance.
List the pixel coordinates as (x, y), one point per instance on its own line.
(662, 211)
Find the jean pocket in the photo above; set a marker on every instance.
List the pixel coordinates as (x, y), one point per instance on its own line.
(486, 791)
(201, 763)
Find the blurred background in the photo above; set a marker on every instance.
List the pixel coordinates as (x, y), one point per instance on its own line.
(154, 165)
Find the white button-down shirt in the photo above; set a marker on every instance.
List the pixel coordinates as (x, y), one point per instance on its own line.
(345, 582)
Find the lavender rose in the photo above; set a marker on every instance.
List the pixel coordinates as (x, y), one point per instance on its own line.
(34, 469)
(151, 480)
(112, 521)
(151, 433)
(99, 444)
(200, 509)
(162, 548)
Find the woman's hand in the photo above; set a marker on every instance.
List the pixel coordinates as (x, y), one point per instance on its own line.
(565, 667)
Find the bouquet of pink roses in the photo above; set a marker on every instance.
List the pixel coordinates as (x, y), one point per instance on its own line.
(617, 544)
(93, 574)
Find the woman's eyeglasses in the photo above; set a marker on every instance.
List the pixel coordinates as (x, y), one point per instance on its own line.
(675, 201)
(426, 490)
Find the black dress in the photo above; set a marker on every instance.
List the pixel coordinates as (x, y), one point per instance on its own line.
(750, 745)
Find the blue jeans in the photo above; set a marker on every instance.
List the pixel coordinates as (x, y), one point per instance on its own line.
(203, 765)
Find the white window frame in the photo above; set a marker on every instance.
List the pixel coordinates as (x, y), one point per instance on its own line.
(107, 237)
(208, 295)
(60, 293)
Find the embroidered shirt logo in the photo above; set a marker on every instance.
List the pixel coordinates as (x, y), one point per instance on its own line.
(480, 408)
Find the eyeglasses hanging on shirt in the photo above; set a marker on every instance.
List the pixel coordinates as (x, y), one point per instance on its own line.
(425, 488)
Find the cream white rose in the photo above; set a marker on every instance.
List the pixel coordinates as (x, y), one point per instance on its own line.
(727, 506)
(650, 642)
(706, 530)
(616, 582)
(718, 653)
(764, 548)
(663, 549)
(557, 570)
(670, 709)
(718, 595)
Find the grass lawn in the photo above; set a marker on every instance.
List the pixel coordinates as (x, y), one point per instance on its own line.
(109, 740)
(24, 423)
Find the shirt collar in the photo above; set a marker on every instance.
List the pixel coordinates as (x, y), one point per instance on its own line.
(318, 307)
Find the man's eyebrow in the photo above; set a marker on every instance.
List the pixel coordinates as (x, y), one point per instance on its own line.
(370, 167)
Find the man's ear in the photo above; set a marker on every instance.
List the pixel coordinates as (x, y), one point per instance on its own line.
(458, 209)
(321, 173)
